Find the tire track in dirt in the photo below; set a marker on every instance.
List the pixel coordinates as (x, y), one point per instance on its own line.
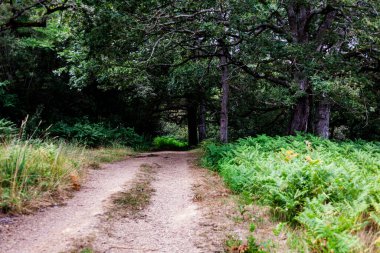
(52, 229)
(168, 224)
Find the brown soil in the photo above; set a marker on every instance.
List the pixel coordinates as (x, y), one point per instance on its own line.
(225, 216)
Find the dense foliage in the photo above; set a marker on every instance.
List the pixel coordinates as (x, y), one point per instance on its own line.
(276, 66)
(331, 189)
(97, 134)
(7, 129)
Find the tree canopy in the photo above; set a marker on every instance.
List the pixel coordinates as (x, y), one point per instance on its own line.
(222, 68)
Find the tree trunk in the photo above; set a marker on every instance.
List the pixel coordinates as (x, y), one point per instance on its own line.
(224, 104)
(192, 124)
(202, 122)
(301, 113)
(298, 16)
(322, 124)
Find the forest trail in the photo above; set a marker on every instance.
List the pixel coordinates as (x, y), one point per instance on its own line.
(172, 222)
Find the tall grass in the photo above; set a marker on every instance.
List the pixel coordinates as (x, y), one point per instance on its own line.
(330, 190)
(31, 169)
(35, 171)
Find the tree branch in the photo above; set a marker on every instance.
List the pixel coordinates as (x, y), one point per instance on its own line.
(13, 22)
(257, 75)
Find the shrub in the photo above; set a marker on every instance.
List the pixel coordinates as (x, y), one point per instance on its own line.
(97, 134)
(331, 189)
(169, 143)
(128, 137)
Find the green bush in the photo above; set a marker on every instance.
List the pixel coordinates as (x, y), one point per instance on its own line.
(97, 134)
(169, 143)
(331, 189)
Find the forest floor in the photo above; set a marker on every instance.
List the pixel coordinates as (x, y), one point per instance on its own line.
(156, 202)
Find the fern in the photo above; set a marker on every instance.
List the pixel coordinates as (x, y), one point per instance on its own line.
(330, 189)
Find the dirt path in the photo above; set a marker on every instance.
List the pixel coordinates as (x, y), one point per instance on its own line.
(168, 225)
(188, 210)
(54, 228)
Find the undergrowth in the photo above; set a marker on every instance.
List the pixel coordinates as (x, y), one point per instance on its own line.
(236, 245)
(97, 135)
(37, 172)
(34, 173)
(31, 169)
(330, 190)
(169, 143)
(7, 129)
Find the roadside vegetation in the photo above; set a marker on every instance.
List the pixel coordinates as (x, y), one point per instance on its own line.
(36, 172)
(39, 167)
(97, 134)
(326, 193)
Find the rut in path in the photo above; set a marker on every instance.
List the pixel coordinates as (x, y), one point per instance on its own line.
(169, 223)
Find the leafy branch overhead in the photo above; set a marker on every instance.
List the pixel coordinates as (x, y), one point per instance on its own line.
(31, 13)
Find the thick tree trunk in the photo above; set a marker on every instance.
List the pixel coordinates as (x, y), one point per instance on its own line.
(298, 16)
(202, 132)
(322, 123)
(300, 116)
(301, 113)
(224, 104)
(192, 124)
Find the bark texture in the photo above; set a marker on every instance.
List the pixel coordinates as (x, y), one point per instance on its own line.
(224, 102)
(322, 124)
(298, 18)
(301, 112)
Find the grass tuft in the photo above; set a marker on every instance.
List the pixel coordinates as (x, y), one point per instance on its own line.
(131, 202)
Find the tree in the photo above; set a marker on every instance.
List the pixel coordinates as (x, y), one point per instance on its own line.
(306, 39)
(252, 66)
